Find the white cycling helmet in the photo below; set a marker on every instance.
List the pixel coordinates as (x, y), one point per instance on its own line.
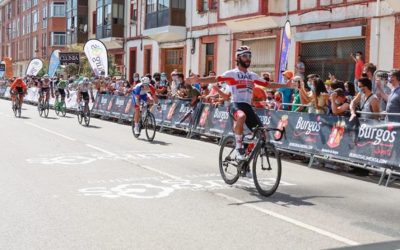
(243, 50)
(85, 80)
(145, 81)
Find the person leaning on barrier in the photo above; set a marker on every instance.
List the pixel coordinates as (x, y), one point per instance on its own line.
(340, 104)
(296, 96)
(393, 103)
(365, 101)
(189, 92)
(383, 88)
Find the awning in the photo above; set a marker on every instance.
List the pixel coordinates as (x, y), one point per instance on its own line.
(331, 34)
(166, 33)
(253, 23)
(113, 43)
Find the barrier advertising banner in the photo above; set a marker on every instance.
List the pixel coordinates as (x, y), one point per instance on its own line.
(34, 67)
(96, 52)
(54, 62)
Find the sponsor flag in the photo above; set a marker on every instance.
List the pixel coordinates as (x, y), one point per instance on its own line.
(286, 41)
(54, 63)
(96, 52)
(34, 67)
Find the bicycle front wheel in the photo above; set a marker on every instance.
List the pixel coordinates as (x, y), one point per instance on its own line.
(267, 170)
(87, 119)
(150, 126)
(46, 109)
(40, 108)
(80, 118)
(57, 108)
(228, 166)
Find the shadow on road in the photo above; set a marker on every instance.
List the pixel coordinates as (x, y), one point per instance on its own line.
(155, 142)
(25, 117)
(93, 126)
(52, 118)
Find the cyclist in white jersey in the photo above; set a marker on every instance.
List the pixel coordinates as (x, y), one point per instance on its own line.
(240, 91)
(84, 91)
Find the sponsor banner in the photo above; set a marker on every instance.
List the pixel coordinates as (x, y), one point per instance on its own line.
(9, 67)
(220, 122)
(54, 62)
(2, 69)
(168, 114)
(34, 67)
(2, 90)
(69, 57)
(103, 104)
(96, 53)
(129, 109)
(118, 106)
(159, 114)
(203, 124)
(182, 117)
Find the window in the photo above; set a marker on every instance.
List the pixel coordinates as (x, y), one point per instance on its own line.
(151, 6)
(94, 22)
(34, 46)
(34, 2)
(44, 18)
(206, 5)
(178, 4)
(57, 38)
(35, 20)
(134, 11)
(99, 16)
(107, 14)
(58, 10)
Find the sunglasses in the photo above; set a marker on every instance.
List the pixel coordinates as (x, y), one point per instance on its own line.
(246, 55)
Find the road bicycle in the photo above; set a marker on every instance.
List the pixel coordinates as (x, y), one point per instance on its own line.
(43, 106)
(147, 122)
(16, 107)
(60, 108)
(265, 159)
(83, 113)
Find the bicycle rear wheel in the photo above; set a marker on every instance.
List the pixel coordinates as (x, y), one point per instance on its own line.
(41, 108)
(267, 169)
(57, 108)
(150, 126)
(63, 109)
(14, 108)
(46, 109)
(19, 111)
(228, 166)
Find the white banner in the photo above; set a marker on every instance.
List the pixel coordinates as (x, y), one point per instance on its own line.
(96, 53)
(34, 67)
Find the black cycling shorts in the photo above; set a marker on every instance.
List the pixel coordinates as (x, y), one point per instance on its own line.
(44, 90)
(252, 119)
(85, 96)
(19, 90)
(61, 92)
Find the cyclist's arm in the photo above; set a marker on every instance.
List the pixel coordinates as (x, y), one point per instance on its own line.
(202, 80)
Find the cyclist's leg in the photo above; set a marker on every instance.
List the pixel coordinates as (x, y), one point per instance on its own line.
(21, 99)
(239, 119)
(47, 95)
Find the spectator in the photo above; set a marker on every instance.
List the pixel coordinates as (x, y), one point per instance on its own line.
(259, 97)
(266, 76)
(162, 86)
(188, 91)
(359, 64)
(365, 101)
(136, 79)
(350, 90)
(270, 103)
(174, 84)
(307, 92)
(278, 101)
(286, 93)
(320, 97)
(332, 77)
(340, 104)
(382, 89)
(296, 96)
(300, 68)
(181, 88)
(212, 73)
(393, 102)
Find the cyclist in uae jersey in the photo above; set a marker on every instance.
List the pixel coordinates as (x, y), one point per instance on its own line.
(83, 92)
(240, 83)
(45, 87)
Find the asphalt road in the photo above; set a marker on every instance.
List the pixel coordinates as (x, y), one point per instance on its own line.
(65, 186)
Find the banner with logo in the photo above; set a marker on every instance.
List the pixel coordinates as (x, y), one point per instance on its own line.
(118, 106)
(2, 69)
(9, 67)
(2, 90)
(69, 58)
(34, 67)
(286, 42)
(54, 62)
(96, 52)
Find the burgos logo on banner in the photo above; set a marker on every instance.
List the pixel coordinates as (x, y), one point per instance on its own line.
(222, 115)
(311, 127)
(377, 135)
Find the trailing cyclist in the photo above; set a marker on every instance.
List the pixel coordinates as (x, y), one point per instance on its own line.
(61, 88)
(18, 88)
(144, 92)
(84, 91)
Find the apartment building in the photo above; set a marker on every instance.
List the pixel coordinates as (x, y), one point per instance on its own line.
(30, 29)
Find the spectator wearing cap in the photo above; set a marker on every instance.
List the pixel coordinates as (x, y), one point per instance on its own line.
(287, 92)
(340, 104)
(393, 103)
(365, 101)
(383, 90)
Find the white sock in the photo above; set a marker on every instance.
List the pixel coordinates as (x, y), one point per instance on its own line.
(136, 125)
(239, 141)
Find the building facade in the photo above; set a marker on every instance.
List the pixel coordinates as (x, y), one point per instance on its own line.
(31, 29)
(324, 34)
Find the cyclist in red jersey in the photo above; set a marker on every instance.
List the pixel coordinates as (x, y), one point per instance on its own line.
(18, 87)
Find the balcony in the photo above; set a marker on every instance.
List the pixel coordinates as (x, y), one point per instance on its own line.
(168, 24)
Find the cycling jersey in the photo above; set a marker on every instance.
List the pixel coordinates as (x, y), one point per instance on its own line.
(44, 84)
(62, 84)
(142, 93)
(241, 84)
(18, 85)
(84, 87)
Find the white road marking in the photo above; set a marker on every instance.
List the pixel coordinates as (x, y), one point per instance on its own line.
(292, 221)
(50, 131)
(137, 164)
